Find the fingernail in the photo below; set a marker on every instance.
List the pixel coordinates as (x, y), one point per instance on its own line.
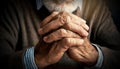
(87, 27)
(45, 39)
(40, 31)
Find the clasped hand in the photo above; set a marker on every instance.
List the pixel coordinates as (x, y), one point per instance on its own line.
(64, 32)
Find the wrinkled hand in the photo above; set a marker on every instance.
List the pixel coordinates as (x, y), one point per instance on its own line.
(64, 20)
(47, 54)
(84, 53)
(66, 32)
(50, 53)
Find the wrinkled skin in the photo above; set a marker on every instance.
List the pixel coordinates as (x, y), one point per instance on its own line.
(64, 32)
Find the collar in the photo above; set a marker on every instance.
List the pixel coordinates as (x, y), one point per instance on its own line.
(39, 4)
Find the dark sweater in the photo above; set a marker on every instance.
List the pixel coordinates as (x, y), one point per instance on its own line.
(19, 22)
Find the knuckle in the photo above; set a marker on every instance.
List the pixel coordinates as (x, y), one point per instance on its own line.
(64, 17)
(62, 32)
(67, 41)
(64, 44)
(68, 19)
(81, 42)
(50, 38)
(62, 20)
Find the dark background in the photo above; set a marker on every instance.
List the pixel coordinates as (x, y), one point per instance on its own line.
(114, 7)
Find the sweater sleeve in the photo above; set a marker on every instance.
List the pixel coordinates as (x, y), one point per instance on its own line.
(10, 57)
(109, 41)
(107, 36)
(103, 32)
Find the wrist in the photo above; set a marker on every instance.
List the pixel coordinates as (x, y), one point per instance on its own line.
(94, 54)
(99, 62)
(40, 62)
(93, 59)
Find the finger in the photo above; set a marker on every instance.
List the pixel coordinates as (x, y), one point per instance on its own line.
(59, 34)
(71, 42)
(55, 53)
(82, 23)
(51, 26)
(85, 26)
(76, 28)
(77, 20)
(49, 18)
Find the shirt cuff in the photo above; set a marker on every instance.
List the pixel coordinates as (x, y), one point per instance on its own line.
(29, 59)
(100, 58)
